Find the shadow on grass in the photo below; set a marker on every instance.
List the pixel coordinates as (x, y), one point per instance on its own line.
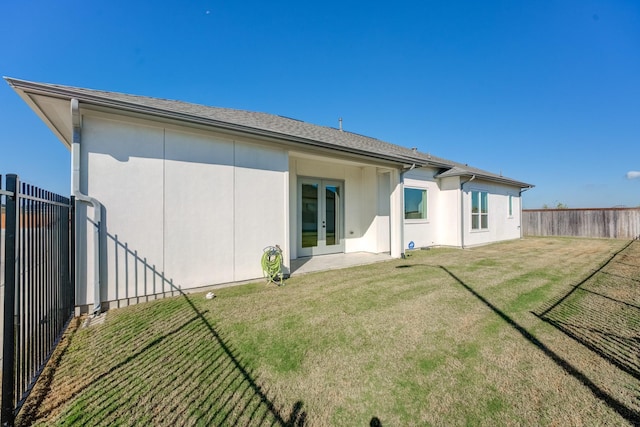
(600, 313)
(28, 412)
(626, 412)
(251, 390)
(189, 374)
(175, 369)
(586, 279)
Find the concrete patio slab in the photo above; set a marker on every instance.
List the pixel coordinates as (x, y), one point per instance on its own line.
(335, 261)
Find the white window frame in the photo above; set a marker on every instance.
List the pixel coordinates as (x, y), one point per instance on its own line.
(425, 200)
(510, 208)
(479, 215)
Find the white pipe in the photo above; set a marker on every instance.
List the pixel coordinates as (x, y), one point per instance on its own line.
(462, 210)
(81, 197)
(522, 190)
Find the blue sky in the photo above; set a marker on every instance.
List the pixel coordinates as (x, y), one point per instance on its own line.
(546, 92)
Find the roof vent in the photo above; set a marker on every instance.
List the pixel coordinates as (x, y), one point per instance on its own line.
(414, 149)
(340, 124)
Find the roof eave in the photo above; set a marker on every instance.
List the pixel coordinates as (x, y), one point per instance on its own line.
(23, 93)
(501, 180)
(23, 87)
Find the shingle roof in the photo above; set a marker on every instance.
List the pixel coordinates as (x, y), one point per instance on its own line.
(263, 124)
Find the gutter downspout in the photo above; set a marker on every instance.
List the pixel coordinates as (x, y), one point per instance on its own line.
(522, 190)
(413, 166)
(80, 197)
(462, 210)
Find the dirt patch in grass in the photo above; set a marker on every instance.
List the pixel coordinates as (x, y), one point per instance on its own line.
(446, 336)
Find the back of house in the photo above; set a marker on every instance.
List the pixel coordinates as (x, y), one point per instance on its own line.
(174, 196)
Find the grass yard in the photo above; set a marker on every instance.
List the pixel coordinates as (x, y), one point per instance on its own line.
(540, 331)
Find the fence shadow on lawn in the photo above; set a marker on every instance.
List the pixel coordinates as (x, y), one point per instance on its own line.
(602, 312)
(29, 411)
(190, 374)
(626, 412)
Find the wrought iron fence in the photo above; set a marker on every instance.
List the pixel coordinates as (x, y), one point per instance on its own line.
(38, 286)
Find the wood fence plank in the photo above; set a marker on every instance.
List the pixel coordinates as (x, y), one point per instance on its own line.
(613, 223)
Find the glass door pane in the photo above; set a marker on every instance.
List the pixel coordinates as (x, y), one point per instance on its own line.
(309, 215)
(320, 218)
(332, 211)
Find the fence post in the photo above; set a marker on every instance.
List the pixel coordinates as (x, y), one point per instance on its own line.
(10, 280)
(72, 251)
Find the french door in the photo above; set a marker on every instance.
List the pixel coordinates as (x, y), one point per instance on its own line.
(320, 218)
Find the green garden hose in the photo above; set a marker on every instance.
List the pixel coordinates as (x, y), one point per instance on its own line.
(272, 264)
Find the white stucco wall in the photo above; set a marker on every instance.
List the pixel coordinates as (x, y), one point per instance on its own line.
(448, 212)
(185, 208)
(423, 232)
(501, 225)
(383, 214)
(182, 208)
(443, 226)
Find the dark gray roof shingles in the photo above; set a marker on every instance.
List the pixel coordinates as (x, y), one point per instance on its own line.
(284, 126)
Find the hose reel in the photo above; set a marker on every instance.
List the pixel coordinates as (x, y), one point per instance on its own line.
(272, 264)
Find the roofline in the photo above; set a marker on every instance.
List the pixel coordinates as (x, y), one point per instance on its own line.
(45, 89)
(30, 102)
(25, 86)
(487, 177)
(501, 180)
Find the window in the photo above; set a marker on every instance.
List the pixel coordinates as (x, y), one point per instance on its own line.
(510, 206)
(415, 203)
(479, 210)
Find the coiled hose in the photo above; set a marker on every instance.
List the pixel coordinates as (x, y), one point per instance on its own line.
(272, 264)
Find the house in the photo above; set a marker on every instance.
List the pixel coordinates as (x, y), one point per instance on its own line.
(177, 195)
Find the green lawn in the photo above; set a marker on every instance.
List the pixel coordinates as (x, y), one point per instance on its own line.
(540, 331)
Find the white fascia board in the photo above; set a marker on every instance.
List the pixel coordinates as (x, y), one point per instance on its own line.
(44, 116)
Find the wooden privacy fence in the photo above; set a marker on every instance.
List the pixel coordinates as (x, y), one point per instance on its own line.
(613, 223)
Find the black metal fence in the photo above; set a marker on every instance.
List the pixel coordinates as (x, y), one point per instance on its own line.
(38, 285)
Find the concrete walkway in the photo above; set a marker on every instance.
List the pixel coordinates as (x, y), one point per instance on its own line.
(335, 261)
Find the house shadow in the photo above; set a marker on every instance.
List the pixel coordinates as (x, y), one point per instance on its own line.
(170, 368)
(297, 263)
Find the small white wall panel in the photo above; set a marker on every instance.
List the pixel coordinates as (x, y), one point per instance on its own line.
(448, 215)
(383, 213)
(124, 163)
(199, 211)
(259, 206)
(369, 209)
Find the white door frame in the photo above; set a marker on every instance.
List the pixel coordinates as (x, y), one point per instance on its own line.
(329, 216)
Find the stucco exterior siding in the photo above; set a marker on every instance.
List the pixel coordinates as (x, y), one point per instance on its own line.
(191, 194)
(448, 212)
(260, 204)
(383, 214)
(118, 160)
(423, 232)
(185, 208)
(446, 209)
(501, 226)
(198, 197)
(182, 208)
